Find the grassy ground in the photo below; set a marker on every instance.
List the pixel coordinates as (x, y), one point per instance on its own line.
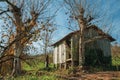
(37, 64)
(34, 77)
(31, 70)
(31, 73)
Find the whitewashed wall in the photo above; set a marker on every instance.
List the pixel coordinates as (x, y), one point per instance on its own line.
(60, 61)
(59, 55)
(55, 55)
(63, 53)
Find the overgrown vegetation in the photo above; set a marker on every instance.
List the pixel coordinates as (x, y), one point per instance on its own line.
(34, 77)
(31, 71)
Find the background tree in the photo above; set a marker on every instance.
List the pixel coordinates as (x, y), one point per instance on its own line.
(86, 14)
(46, 38)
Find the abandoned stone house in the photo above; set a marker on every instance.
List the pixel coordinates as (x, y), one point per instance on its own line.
(66, 50)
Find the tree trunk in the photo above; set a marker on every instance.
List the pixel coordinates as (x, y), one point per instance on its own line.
(81, 51)
(46, 58)
(81, 47)
(82, 26)
(47, 61)
(45, 50)
(17, 62)
(16, 67)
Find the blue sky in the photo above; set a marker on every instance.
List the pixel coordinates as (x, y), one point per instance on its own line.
(112, 16)
(111, 7)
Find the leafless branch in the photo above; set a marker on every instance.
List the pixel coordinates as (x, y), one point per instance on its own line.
(11, 19)
(4, 12)
(12, 5)
(10, 57)
(2, 46)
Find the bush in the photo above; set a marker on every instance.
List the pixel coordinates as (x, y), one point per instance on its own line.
(72, 70)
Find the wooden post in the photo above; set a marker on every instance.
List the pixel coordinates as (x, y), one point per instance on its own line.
(72, 60)
(65, 55)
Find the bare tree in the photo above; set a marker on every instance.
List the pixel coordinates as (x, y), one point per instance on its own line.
(85, 12)
(27, 16)
(46, 38)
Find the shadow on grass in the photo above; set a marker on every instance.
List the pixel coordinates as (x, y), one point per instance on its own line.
(93, 69)
(48, 69)
(111, 68)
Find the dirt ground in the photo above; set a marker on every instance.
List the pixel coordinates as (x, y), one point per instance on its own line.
(110, 75)
(107, 75)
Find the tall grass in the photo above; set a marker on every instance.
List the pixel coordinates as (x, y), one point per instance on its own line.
(35, 65)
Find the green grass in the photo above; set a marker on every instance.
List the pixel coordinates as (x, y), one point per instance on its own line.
(28, 77)
(116, 61)
(34, 66)
(33, 69)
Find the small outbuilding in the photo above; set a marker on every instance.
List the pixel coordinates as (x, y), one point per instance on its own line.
(98, 52)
